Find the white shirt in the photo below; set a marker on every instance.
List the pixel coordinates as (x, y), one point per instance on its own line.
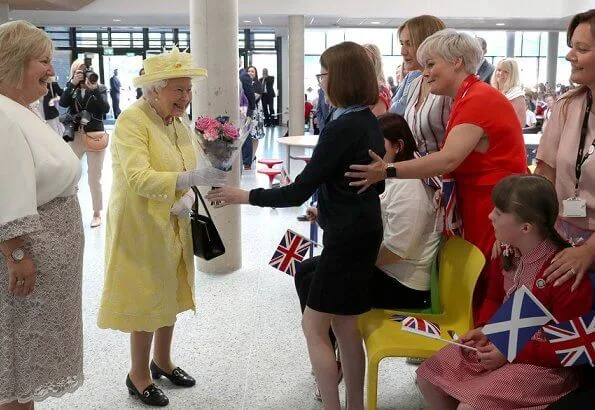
(530, 119)
(35, 166)
(412, 230)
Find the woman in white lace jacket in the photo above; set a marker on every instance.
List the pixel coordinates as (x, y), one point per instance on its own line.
(507, 80)
(41, 233)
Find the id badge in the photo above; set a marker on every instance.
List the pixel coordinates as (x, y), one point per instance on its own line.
(574, 208)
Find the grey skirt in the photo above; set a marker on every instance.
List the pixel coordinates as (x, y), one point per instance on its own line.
(41, 336)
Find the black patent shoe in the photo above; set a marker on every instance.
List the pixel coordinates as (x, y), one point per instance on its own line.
(178, 376)
(152, 395)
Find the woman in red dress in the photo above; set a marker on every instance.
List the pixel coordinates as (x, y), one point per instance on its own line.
(483, 144)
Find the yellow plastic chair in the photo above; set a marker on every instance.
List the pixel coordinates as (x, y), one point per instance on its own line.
(459, 267)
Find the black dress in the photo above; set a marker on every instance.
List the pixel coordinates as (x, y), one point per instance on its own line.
(352, 222)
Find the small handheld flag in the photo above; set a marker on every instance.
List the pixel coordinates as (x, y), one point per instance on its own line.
(425, 328)
(291, 250)
(515, 322)
(573, 341)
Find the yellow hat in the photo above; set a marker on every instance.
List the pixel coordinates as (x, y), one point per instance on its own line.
(172, 64)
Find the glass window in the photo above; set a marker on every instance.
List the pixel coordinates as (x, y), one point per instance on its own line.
(263, 36)
(544, 44)
(396, 43)
(383, 38)
(334, 36)
(314, 42)
(563, 72)
(121, 40)
(528, 71)
(518, 43)
(61, 64)
(311, 68)
(496, 41)
(562, 46)
(390, 64)
(531, 44)
(86, 39)
(542, 75)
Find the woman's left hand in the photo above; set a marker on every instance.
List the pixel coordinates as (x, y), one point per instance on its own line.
(369, 174)
(228, 196)
(490, 357)
(91, 86)
(570, 263)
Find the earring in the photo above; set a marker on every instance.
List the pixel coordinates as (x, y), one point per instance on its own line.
(156, 99)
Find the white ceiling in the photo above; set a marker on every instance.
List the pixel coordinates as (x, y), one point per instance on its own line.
(477, 14)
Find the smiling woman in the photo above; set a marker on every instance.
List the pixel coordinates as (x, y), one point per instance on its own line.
(483, 144)
(41, 235)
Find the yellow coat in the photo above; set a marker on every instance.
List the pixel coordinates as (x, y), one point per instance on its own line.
(149, 262)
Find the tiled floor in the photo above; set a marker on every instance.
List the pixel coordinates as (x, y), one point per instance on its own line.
(244, 345)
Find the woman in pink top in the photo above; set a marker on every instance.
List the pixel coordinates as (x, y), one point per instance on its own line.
(565, 156)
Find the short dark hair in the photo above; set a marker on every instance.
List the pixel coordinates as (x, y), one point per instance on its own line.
(351, 77)
(395, 129)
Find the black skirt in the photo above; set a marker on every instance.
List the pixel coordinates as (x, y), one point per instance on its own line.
(341, 282)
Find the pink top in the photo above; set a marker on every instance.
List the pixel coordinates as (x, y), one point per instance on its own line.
(558, 148)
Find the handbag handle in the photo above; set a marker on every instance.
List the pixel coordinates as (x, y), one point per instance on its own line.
(195, 206)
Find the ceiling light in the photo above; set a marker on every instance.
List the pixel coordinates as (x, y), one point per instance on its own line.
(260, 20)
(247, 21)
(500, 24)
(375, 22)
(312, 21)
(117, 20)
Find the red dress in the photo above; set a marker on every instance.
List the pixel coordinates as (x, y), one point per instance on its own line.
(479, 104)
(535, 379)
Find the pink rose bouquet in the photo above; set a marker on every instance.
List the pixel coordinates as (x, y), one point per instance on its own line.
(220, 140)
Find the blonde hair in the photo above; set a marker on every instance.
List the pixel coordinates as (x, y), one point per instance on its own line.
(450, 45)
(376, 56)
(75, 64)
(514, 77)
(421, 27)
(20, 42)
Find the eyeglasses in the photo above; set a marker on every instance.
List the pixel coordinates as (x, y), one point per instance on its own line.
(320, 76)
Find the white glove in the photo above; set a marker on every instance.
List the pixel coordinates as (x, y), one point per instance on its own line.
(208, 176)
(183, 206)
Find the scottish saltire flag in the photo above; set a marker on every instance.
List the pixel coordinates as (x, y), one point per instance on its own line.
(421, 327)
(453, 224)
(573, 341)
(291, 250)
(515, 323)
(432, 182)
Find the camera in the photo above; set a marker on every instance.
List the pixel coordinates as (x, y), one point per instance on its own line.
(88, 72)
(72, 122)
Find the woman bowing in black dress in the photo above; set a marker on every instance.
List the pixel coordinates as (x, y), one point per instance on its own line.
(351, 222)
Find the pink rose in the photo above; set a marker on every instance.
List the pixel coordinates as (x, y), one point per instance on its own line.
(203, 123)
(212, 133)
(230, 131)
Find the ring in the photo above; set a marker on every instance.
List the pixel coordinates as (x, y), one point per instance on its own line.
(20, 282)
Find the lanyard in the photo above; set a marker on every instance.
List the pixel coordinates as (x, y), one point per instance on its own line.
(580, 158)
(346, 110)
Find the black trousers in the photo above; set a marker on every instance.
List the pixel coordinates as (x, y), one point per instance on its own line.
(116, 105)
(268, 109)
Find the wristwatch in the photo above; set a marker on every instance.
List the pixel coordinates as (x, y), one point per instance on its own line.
(391, 171)
(17, 255)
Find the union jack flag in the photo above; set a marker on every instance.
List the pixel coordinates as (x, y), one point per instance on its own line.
(421, 327)
(573, 341)
(291, 250)
(433, 182)
(453, 224)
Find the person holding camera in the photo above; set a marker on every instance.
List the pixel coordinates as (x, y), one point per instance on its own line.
(86, 100)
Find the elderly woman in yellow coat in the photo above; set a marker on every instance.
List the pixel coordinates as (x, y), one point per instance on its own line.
(149, 262)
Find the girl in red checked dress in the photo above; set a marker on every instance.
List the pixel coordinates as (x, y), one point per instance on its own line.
(525, 211)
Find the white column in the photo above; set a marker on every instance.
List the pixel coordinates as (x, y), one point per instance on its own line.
(284, 86)
(552, 58)
(4, 12)
(510, 44)
(296, 75)
(214, 44)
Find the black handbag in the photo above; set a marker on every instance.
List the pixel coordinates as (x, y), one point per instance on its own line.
(205, 237)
